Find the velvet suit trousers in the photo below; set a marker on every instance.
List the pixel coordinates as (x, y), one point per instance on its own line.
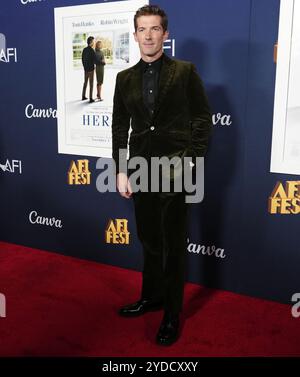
(161, 221)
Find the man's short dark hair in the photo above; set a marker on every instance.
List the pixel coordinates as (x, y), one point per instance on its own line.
(152, 10)
(90, 40)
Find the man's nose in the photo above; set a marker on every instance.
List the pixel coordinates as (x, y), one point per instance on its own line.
(148, 34)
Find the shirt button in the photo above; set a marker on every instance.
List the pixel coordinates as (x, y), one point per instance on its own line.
(150, 90)
(152, 128)
(150, 71)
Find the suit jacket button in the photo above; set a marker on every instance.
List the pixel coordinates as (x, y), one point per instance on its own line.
(152, 128)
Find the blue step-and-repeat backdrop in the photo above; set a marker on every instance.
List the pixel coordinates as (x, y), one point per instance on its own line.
(235, 242)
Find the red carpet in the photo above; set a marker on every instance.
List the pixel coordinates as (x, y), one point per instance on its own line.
(62, 306)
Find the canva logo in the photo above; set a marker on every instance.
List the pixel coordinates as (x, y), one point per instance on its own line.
(221, 119)
(285, 200)
(117, 232)
(2, 305)
(7, 54)
(32, 112)
(25, 2)
(13, 166)
(296, 306)
(206, 250)
(34, 218)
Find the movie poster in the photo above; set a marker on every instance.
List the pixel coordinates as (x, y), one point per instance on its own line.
(286, 124)
(84, 126)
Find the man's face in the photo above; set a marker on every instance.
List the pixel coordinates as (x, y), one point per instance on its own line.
(150, 36)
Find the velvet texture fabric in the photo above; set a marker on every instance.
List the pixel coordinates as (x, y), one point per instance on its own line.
(181, 122)
(161, 221)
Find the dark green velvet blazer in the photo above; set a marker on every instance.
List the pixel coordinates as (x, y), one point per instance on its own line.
(181, 123)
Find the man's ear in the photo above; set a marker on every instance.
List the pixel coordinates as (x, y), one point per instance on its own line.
(166, 35)
(135, 38)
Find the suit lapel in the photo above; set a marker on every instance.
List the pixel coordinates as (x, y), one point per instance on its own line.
(165, 80)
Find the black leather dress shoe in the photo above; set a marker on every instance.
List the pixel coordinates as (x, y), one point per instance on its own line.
(168, 331)
(140, 307)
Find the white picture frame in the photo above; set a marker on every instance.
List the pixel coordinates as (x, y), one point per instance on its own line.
(285, 154)
(84, 128)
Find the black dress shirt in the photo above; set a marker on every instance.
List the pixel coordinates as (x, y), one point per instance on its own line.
(151, 73)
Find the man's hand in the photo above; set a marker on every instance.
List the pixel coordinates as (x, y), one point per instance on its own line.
(124, 186)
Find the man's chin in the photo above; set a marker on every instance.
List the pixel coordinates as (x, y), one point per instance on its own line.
(150, 54)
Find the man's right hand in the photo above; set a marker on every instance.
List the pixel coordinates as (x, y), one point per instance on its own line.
(124, 186)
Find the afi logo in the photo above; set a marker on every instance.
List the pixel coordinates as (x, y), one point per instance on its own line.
(12, 167)
(7, 54)
(169, 44)
(2, 305)
(296, 307)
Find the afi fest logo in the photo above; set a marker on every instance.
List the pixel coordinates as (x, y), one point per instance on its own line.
(2, 306)
(117, 232)
(79, 173)
(7, 55)
(285, 200)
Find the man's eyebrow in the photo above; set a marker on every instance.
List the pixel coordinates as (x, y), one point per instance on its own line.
(143, 27)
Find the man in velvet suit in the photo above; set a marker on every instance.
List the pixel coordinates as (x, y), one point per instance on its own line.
(164, 102)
